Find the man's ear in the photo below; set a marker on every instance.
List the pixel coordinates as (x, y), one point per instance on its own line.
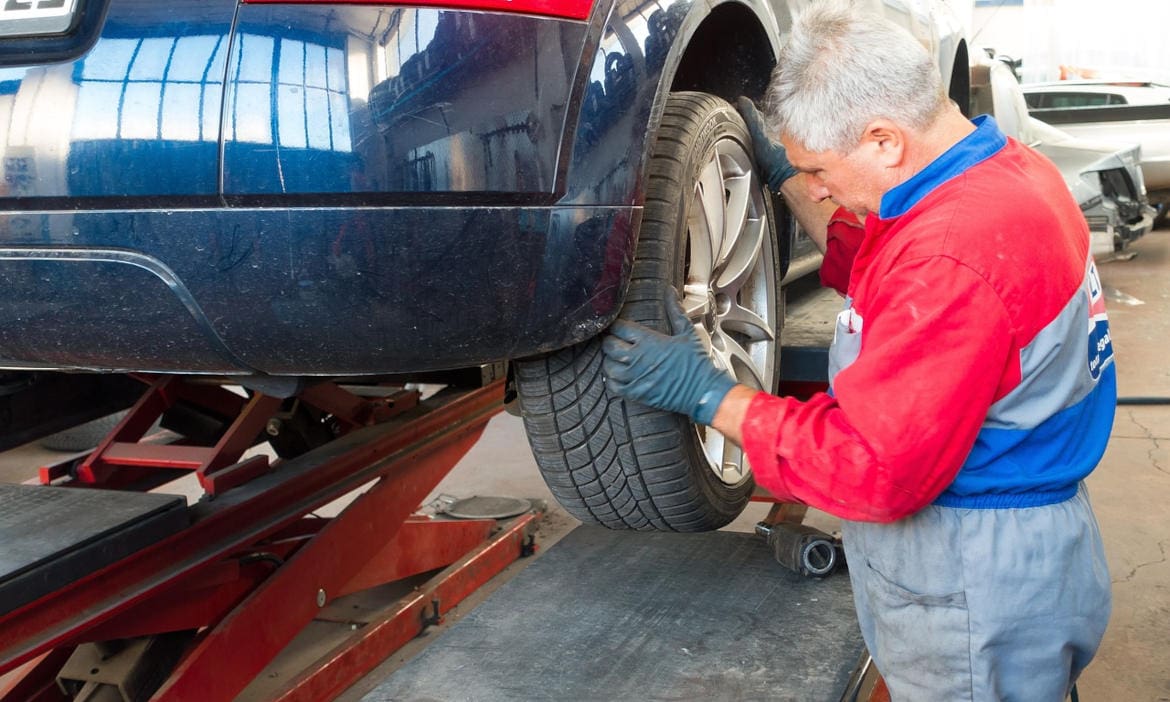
(886, 142)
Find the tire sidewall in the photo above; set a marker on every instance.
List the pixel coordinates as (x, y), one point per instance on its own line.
(720, 122)
(620, 464)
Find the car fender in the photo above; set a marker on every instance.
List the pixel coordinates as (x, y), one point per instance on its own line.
(627, 71)
(621, 92)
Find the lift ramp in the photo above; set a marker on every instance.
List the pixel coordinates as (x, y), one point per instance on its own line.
(608, 615)
(54, 537)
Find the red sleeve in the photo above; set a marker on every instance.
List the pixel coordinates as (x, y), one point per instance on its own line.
(905, 414)
(841, 244)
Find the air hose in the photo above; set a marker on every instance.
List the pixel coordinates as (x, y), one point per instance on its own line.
(1143, 400)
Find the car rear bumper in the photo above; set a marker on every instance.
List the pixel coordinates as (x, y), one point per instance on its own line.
(1108, 239)
(307, 291)
(1132, 231)
(317, 189)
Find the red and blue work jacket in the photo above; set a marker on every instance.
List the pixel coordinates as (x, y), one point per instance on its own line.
(972, 365)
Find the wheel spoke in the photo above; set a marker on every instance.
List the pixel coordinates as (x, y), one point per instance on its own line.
(734, 465)
(737, 187)
(742, 259)
(736, 358)
(746, 322)
(710, 190)
(695, 301)
(701, 259)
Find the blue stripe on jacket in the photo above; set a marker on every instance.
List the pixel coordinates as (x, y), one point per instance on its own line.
(1041, 465)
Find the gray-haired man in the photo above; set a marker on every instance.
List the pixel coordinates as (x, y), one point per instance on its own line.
(972, 377)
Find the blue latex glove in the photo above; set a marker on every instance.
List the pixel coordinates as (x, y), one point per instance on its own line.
(770, 155)
(668, 372)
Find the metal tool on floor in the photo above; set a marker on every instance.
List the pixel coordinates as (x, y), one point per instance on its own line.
(802, 549)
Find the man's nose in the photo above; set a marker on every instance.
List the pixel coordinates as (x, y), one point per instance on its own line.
(818, 192)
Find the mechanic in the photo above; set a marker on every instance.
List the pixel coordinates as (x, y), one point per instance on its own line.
(972, 384)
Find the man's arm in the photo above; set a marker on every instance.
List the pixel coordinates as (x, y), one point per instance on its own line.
(731, 412)
(812, 216)
(782, 177)
(904, 415)
(836, 232)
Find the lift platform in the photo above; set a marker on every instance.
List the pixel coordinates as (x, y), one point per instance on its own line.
(810, 315)
(606, 615)
(109, 591)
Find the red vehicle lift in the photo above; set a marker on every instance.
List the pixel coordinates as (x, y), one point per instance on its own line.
(192, 603)
(204, 597)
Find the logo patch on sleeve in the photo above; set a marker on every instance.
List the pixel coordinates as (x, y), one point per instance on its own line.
(1100, 343)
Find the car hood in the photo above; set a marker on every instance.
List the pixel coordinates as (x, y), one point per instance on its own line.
(1074, 156)
(1077, 158)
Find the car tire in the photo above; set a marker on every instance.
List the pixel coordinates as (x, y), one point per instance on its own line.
(707, 231)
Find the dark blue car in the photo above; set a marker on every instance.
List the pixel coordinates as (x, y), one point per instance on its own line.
(257, 191)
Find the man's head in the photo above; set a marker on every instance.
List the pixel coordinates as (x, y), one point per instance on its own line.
(854, 98)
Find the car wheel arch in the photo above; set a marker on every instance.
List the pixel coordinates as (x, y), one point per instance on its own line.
(662, 71)
(959, 88)
(701, 39)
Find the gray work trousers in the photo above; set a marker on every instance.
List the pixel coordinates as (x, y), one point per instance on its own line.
(981, 604)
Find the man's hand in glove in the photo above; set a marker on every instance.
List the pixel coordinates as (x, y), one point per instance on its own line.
(770, 155)
(671, 373)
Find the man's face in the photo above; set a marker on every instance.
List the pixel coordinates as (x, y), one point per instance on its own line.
(852, 180)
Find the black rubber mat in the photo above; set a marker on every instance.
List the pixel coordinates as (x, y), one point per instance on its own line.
(608, 615)
(52, 536)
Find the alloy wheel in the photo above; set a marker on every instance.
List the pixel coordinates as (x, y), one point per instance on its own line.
(731, 285)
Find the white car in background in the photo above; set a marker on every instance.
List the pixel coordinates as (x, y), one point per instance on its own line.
(1136, 111)
(1069, 94)
(1105, 177)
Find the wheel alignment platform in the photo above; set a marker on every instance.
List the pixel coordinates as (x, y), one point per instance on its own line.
(203, 602)
(53, 537)
(606, 615)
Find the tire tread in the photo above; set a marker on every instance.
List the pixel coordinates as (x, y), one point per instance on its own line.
(607, 461)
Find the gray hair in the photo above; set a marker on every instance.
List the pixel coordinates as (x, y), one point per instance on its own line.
(843, 67)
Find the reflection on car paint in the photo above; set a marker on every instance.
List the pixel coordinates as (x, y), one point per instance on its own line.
(629, 59)
(138, 115)
(403, 100)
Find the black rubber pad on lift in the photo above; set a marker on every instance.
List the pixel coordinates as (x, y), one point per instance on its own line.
(52, 536)
(609, 615)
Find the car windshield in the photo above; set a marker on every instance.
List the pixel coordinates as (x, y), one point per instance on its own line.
(1074, 99)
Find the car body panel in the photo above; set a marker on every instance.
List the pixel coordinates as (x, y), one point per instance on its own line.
(328, 99)
(1067, 94)
(1115, 217)
(1081, 162)
(1152, 134)
(135, 116)
(631, 67)
(1117, 111)
(307, 291)
(304, 189)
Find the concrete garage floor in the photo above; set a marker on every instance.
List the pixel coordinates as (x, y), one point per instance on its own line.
(1130, 490)
(1131, 487)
